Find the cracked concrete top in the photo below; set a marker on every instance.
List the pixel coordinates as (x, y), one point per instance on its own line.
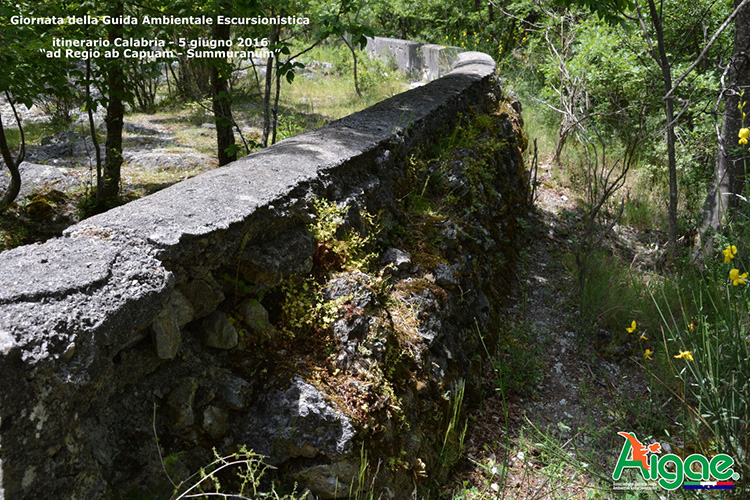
(56, 268)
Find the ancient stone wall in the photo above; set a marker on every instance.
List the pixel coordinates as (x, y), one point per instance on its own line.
(420, 61)
(170, 316)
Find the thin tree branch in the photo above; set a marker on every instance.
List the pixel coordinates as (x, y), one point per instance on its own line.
(22, 148)
(707, 47)
(646, 36)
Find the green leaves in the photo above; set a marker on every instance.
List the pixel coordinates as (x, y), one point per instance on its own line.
(610, 11)
(27, 72)
(286, 69)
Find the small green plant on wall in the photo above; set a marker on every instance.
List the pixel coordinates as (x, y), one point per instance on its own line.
(347, 251)
(244, 470)
(306, 310)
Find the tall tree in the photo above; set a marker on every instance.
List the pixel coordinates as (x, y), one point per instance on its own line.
(108, 190)
(222, 107)
(732, 161)
(659, 54)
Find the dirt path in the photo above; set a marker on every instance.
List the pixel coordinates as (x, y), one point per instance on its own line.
(555, 396)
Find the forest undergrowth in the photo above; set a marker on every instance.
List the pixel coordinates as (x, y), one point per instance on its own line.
(640, 346)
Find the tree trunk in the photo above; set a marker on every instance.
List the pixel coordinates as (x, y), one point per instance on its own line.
(222, 105)
(274, 38)
(275, 108)
(671, 164)
(15, 175)
(354, 61)
(108, 189)
(732, 160)
(92, 125)
(666, 70)
(562, 137)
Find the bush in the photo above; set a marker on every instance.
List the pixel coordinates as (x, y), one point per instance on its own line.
(708, 355)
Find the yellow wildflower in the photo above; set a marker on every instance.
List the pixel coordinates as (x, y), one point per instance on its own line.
(685, 355)
(647, 354)
(632, 328)
(737, 278)
(744, 134)
(643, 336)
(729, 252)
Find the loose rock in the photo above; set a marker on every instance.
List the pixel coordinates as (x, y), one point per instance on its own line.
(218, 332)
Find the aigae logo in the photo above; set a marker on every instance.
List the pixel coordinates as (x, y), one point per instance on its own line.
(694, 472)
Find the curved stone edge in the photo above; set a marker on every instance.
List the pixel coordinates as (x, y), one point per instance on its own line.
(56, 353)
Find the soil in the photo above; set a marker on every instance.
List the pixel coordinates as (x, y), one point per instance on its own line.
(59, 174)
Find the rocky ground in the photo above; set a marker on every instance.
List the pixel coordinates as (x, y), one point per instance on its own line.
(548, 429)
(66, 160)
(59, 171)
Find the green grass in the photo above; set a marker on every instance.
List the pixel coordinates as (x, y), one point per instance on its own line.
(645, 206)
(612, 295)
(640, 213)
(536, 126)
(333, 95)
(712, 383)
(533, 466)
(34, 132)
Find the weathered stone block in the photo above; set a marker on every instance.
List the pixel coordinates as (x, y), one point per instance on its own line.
(255, 316)
(7, 342)
(354, 288)
(204, 295)
(166, 327)
(330, 480)
(218, 332)
(234, 392)
(180, 402)
(166, 335)
(397, 259)
(297, 422)
(290, 253)
(214, 421)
